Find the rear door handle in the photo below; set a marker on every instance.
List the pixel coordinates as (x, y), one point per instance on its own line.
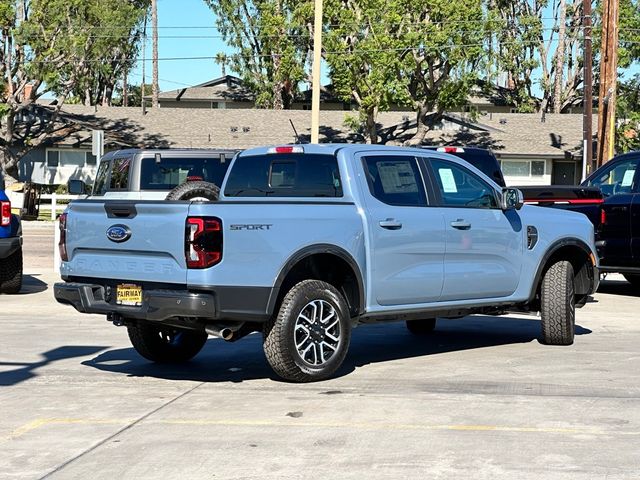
(390, 224)
(461, 224)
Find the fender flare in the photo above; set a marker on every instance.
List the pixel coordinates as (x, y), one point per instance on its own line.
(313, 250)
(553, 248)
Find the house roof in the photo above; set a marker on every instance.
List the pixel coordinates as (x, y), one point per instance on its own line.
(224, 88)
(504, 133)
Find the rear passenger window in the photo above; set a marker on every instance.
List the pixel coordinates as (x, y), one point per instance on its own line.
(100, 185)
(120, 174)
(395, 181)
(460, 187)
(284, 175)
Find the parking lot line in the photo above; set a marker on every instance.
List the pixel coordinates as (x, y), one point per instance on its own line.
(41, 422)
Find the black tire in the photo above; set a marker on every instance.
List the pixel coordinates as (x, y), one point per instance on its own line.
(421, 327)
(165, 344)
(11, 273)
(195, 190)
(285, 336)
(633, 279)
(558, 307)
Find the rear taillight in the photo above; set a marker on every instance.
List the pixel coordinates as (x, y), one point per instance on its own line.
(286, 149)
(62, 243)
(603, 216)
(203, 242)
(6, 214)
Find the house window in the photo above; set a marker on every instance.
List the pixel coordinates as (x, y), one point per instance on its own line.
(515, 169)
(523, 168)
(70, 158)
(53, 158)
(537, 168)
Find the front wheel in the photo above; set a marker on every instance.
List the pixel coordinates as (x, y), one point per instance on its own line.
(11, 273)
(309, 337)
(558, 307)
(163, 344)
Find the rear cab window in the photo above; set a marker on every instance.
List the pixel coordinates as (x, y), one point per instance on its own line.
(284, 175)
(169, 172)
(395, 180)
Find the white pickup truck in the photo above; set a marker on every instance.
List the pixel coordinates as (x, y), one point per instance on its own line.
(307, 241)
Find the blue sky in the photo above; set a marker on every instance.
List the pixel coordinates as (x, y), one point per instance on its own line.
(197, 20)
(179, 73)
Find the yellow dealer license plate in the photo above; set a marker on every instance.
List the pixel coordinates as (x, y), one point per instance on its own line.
(129, 294)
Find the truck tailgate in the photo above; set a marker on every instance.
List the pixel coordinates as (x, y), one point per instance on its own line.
(153, 251)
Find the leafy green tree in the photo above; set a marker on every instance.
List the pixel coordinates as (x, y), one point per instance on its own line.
(628, 114)
(360, 47)
(442, 51)
(50, 45)
(271, 42)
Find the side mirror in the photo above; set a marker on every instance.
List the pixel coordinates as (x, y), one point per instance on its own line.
(512, 198)
(76, 187)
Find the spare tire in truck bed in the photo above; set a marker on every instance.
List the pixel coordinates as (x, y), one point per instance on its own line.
(195, 191)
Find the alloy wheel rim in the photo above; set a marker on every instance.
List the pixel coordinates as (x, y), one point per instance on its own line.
(317, 332)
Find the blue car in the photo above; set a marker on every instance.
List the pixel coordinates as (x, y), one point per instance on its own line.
(10, 246)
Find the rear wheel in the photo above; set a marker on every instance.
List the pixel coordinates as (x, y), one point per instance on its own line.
(633, 279)
(11, 273)
(421, 327)
(558, 308)
(309, 337)
(195, 191)
(165, 344)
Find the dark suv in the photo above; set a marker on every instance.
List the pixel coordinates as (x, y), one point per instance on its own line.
(484, 160)
(618, 232)
(10, 246)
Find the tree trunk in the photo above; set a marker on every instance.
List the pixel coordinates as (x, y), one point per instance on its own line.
(9, 165)
(557, 90)
(371, 128)
(423, 126)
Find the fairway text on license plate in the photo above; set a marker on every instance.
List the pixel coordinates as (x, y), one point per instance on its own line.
(129, 294)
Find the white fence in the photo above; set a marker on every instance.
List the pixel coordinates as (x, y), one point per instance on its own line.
(55, 206)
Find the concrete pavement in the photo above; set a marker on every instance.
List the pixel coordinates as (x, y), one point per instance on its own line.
(479, 398)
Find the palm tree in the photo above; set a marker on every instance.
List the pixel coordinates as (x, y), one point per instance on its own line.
(222, 60)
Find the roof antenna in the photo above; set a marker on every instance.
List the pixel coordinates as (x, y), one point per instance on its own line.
(295, 131)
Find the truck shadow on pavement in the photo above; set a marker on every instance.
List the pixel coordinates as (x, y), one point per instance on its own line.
(26, 370)
(618, 287)
(31, 284)
(221, 361)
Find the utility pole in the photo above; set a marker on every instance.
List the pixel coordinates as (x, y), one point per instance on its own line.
(155, 89)
(608, 81)
(587, 100)
(143, 103)
(125, 89)
(315, 72)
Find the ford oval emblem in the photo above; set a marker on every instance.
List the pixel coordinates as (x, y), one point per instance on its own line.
(118, 233)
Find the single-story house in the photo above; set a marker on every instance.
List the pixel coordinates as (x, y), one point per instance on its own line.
(229, 92)
(532, 150)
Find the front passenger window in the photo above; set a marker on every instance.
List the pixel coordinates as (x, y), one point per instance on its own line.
(459, 187)
(616, 179)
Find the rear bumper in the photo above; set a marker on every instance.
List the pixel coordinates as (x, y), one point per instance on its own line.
(159, 304)
(9, 246)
